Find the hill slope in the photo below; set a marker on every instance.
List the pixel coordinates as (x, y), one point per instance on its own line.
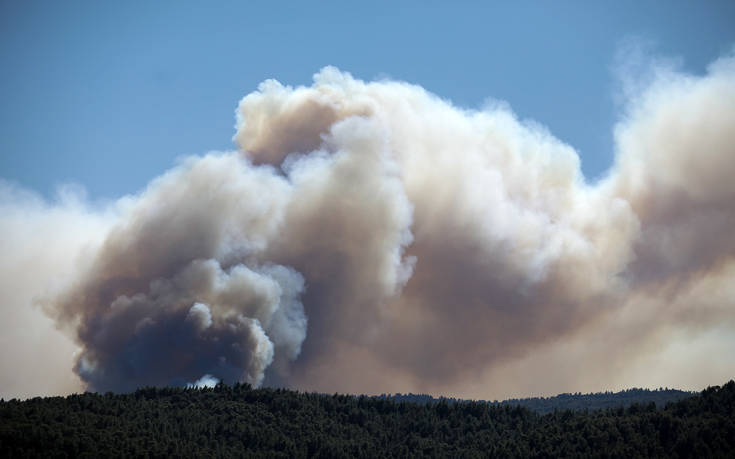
(239, 421)
(577, 402)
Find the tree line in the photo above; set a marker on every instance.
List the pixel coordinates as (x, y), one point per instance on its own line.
(570, 401)
(238, 420)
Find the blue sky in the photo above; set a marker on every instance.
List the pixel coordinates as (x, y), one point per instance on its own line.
(109, 94)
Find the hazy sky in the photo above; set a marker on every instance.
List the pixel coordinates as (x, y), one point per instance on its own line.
(481, 200)
(108, 94)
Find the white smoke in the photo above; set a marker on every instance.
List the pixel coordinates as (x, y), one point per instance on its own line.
(43, 246)
(204, 381)
(431, 248)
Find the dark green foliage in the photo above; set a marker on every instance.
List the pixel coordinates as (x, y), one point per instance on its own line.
(239, 421)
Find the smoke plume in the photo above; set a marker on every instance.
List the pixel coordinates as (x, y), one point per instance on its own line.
(372, 237)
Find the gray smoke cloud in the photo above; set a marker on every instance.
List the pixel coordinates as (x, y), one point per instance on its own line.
(175, 292)
(371, 237)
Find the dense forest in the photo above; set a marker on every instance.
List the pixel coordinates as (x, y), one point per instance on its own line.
(241, 421)
(577, 401)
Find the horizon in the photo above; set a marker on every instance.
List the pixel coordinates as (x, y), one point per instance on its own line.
(484, 210)
(434, 397)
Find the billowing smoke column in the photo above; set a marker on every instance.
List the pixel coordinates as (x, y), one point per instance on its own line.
(176, 290)
(372, 237)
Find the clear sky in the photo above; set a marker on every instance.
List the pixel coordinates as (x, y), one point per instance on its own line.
(108, 94)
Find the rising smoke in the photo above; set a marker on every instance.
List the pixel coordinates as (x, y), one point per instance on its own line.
(371, 237)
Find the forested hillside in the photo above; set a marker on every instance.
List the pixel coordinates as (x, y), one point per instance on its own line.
(239, 421)
(578, 402)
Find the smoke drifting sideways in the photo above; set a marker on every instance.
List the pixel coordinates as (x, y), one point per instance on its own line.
(370, 237)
